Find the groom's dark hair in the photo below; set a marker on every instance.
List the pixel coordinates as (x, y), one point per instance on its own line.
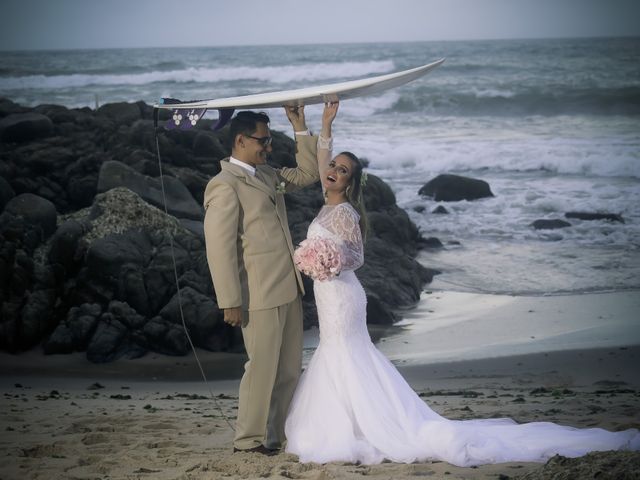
(245, 123)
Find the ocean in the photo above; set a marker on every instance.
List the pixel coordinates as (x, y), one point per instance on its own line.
(552, 125)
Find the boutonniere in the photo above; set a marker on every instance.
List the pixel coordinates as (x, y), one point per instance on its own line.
(281, 187)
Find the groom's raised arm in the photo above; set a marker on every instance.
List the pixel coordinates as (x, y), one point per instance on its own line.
(306, 171)
(221, 237)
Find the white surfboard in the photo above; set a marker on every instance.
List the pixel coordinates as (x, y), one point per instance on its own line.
(186, 114)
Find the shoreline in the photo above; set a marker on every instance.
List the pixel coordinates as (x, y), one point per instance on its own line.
(445, 330)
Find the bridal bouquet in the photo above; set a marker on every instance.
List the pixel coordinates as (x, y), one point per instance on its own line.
(318, 258)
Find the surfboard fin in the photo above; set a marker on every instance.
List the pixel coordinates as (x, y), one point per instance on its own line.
(224, 115)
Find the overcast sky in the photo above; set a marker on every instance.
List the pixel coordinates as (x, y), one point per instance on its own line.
(62, 24)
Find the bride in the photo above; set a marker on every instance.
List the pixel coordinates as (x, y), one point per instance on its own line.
(352, 405)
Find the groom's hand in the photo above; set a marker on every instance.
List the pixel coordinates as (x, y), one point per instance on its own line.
(233, 316)
(296, 117)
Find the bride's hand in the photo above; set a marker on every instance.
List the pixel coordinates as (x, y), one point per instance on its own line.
(329, 113)
(328, 116)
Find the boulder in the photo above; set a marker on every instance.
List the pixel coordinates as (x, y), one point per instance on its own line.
(208, 144)
(24, 127)
(35, 211)
(202, 318)
(57, 113)
(121, 113)
(166, 337)
(73, 334)
(440, 210)
(612, 217)
(6, 193)
(377, 194)
(114, 335)
(36, 317)
(63, 249)
(431, 242)
(549, 224)
(453, 188)
(7, 107)
(180, 202)
(377, 313)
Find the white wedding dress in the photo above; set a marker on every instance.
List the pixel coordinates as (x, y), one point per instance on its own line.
(352, 405)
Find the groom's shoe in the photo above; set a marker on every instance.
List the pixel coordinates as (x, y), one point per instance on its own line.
(261, 449)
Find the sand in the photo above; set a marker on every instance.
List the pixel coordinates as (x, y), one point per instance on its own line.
(153, 418)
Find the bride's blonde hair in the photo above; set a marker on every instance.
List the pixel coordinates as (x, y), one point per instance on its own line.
(354, 192)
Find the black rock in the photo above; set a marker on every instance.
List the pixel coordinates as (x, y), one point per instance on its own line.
(36, 318)
(57, 113)
(209, 145)
(452, 188)
(166, 337)
(74, 333)
(7, 107)
(180, 202)
(378, 194)
(440, 210)
(545, 224)
(24, 127)
(378, 313)
(193, 226)
(114, 335)
(35, 211)
(612, 217)
(202, 318)
(122, 113)
(6, 193)
(64, 244)
(107, 257)
(431, 242)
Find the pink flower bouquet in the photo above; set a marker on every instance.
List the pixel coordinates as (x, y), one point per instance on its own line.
(318, 258)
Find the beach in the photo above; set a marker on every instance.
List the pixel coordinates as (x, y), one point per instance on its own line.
(154, 417)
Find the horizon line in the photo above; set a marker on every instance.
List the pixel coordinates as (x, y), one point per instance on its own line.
(71, 49)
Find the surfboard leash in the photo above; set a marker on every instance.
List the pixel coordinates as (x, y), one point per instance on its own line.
(175, 275)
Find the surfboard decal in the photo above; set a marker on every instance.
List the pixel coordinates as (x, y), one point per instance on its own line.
(185, 118)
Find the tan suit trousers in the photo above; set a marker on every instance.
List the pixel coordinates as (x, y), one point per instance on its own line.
(273, 340)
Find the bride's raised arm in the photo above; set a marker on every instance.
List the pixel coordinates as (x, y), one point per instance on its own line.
(325, 140)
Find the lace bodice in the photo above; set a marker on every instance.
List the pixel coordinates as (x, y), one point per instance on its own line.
(340, 222)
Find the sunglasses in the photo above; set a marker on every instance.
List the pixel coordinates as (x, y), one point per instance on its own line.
(264, 141)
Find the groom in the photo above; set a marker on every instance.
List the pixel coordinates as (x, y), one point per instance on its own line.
(250, 255)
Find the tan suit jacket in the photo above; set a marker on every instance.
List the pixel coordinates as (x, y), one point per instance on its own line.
(249, 248)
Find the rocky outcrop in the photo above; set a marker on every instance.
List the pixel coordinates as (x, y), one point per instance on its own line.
(86, 249)
(611, 217)
(453, 188)
(549, 224)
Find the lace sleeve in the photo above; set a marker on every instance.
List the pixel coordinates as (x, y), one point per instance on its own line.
(325, 146)
(342, 221)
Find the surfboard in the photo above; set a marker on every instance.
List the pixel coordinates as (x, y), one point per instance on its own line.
(187, 114)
